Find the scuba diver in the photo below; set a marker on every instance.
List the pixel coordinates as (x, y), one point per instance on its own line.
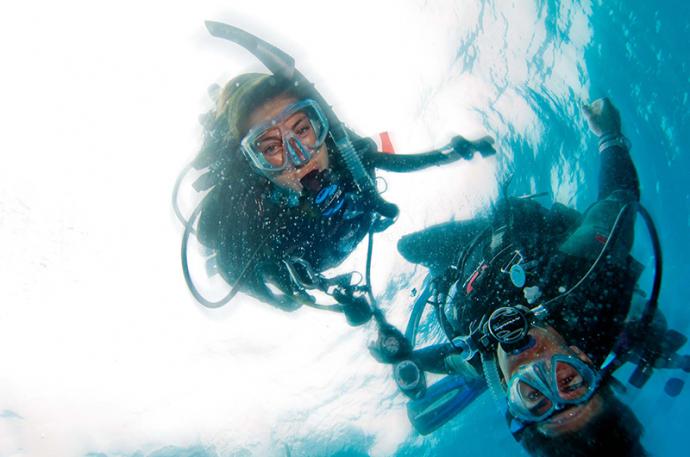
(290, 190)
(539, 306)
(559, 403)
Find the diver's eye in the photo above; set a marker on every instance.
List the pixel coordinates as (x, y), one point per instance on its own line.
(302, 128)
(269, 149)
(529, 393)
(534, 395)
(571, 383)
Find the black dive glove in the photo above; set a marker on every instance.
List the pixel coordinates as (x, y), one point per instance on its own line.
(466, 148)
(391, 346)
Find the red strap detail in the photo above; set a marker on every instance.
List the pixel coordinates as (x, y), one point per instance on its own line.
(469, 287)
(602, 239)
(386, 143)
(470, 283)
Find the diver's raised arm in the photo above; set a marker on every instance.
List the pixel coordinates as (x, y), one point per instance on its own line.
(458, 148)
(617, 171)
(610, 217)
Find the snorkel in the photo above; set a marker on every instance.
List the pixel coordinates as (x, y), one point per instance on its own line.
(283, 65)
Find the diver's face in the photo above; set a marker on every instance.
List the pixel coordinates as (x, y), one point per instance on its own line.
(548, 343)
(290, 177)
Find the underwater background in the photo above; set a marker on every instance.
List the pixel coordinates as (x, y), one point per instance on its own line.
(109, 356)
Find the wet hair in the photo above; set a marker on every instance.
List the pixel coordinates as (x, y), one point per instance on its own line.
(234, 213)
(614, 431)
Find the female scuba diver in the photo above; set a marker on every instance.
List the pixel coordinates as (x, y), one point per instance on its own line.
(536, 304)
(291, 191)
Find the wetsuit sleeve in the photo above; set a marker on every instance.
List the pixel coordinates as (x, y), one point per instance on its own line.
(458, 148)
(433, 358)
(591, 317)
(618, 186)
(617, 173)
(408, 162)
(438, 246)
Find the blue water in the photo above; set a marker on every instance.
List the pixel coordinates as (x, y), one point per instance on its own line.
(636, 54)
(649, 76)
(636, 57)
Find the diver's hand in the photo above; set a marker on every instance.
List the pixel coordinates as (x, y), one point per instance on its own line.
(603, 118)
(466, 148)
(391, 346)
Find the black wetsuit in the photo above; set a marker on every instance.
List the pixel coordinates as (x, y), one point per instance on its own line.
(555, 246)
(324, 242)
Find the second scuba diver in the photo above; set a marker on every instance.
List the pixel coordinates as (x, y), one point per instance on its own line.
(291, 191)
(532, 303)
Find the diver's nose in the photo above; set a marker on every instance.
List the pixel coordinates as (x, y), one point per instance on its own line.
(294, 144)
(297, 154)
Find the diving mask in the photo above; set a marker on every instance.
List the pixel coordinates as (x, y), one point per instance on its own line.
(289, 139)
(540, 389)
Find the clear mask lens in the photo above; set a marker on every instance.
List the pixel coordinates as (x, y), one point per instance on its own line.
(539, 389)
(534, 400)
(292, 137)
(572, 385)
